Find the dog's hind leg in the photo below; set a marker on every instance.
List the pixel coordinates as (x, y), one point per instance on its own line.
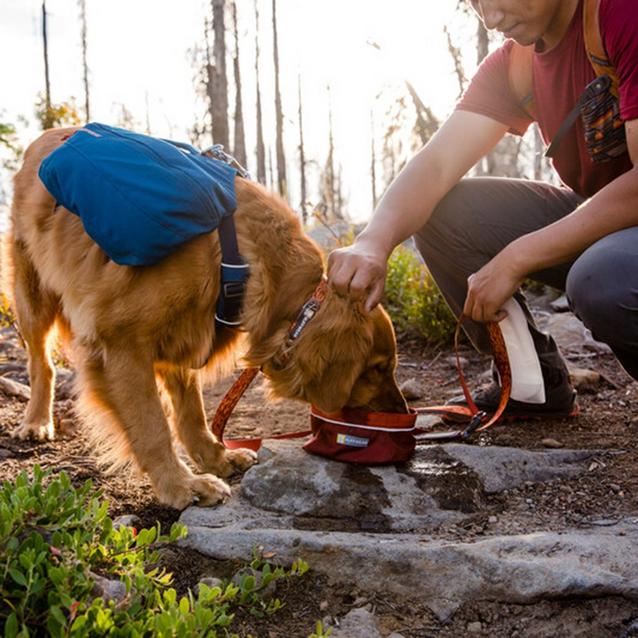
(35, 309)
(122, 379)
(184, 389)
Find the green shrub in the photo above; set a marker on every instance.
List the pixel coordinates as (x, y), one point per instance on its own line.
(413, 300)
(66, 571)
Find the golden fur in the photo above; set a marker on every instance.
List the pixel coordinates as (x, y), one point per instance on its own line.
(131, 327)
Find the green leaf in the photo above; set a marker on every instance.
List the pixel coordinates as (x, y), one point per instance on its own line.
(56, 612)
(184, 606)
(11, 626)
(18, 576)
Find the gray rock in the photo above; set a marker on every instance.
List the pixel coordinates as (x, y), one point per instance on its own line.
(108, 589)
(503, 468)
(551, 443)
(560, 304)
(14, 389)
(209, 581)
(127, 520)
(358, 623)
(571, 335)
(427, 421)
(412, 389)
(474, 627)
(584, 380)
(517, 569)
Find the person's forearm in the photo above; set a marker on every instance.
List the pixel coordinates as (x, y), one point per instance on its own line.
(613, 208)
(407, 204)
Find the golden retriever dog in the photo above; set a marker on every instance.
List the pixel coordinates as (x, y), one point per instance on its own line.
(134, 330)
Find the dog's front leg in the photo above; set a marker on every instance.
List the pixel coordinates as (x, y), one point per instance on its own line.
(209, 454)
(126, 381)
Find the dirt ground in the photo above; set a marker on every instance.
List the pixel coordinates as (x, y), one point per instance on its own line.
(605, 493)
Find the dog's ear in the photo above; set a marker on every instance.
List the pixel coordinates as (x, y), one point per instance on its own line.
(333, 353)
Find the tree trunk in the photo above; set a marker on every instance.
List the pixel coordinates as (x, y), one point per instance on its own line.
(219, 106)
(302, 158)
(239, 148)
(482, 42)
(271, 177)
(85, 66)
(373, 162)
(261, 149)
(47, 123)
(281, 158)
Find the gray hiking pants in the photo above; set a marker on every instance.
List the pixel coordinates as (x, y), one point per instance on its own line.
(480, 216)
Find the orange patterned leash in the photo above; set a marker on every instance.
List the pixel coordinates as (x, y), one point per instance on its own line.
(238, 388)
(471, 412)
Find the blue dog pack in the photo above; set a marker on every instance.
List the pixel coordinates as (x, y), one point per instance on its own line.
(138, 197)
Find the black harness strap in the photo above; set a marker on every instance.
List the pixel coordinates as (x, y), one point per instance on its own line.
(234, 270)
(234, 274)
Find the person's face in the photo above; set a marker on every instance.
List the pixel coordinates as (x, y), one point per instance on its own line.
(525, 21)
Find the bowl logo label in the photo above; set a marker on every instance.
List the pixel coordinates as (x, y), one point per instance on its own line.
(352, 441)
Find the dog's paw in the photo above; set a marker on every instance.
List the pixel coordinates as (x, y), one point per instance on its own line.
(241, 458)
(40, 430)
(232, 461)
(200, 489)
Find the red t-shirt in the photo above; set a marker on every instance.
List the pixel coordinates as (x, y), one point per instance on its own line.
(560, 76)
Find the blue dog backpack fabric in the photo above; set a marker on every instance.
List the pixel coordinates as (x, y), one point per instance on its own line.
(138, 197)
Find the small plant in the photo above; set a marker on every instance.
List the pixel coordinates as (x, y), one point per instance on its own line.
(413, 300)
(6, 316)
(255, 585)
(66, 571)
(320, 631)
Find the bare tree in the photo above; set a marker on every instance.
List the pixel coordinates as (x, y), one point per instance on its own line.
(373, 161)
(47, 83)
(219, 98)
(281, 158)
(239, 147)
(457, 58)
(261, 149)
(271, 177)
(302, 158)
(85, 66)
(426, 124)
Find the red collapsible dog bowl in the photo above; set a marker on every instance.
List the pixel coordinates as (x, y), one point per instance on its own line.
(361, 436)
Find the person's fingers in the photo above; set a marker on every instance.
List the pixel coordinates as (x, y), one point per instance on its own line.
(374, 295)
(361, 283)
(339, 273)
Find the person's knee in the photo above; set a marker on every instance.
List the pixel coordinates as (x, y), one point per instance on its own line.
(599, 296)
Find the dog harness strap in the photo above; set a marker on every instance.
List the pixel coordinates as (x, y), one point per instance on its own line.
(234, 270)
(234, 274)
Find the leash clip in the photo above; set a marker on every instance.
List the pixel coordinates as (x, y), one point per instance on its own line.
(474, 424)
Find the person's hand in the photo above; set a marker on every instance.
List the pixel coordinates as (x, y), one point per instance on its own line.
(489, 289)
(358, 272)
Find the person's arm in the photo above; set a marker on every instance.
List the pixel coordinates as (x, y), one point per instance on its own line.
(613, 208)
(359, 270)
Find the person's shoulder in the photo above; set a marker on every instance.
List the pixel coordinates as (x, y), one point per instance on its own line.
(616, 13)
(619, 26)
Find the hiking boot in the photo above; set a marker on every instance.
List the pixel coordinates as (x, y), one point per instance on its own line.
(560, 396)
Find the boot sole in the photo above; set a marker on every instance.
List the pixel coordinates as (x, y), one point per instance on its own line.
(537, 416)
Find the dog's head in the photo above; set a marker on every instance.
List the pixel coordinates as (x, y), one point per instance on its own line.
(345, 357)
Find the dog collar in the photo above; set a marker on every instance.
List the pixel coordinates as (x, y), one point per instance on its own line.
(305, 316)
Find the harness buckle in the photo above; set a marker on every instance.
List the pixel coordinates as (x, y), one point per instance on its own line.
(233, 289)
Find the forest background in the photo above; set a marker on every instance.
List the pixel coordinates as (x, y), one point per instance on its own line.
(322, 101)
